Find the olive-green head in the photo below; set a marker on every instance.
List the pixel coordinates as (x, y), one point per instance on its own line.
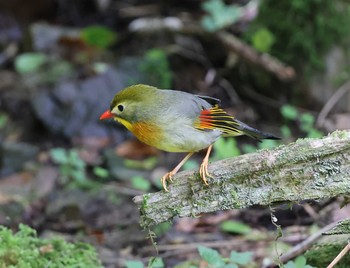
(131, 104)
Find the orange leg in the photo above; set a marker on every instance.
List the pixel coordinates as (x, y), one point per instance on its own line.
(203, 170)
(169, 175)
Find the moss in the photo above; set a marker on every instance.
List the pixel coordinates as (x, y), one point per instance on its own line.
(24, 249)
(144, 205)
(342, 134)
(342, 227)
(323, 254)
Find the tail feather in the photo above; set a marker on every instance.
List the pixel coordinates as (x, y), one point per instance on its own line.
(255, 133)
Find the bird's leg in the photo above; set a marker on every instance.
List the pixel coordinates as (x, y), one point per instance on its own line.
(169, 175)
(203, 170)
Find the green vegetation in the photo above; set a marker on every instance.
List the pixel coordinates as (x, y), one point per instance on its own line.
(225, 148)
(236, 227)
(299, 262)
(328, 251)
(292, 24)
(219, 15)
(30, 62)
(305, 122)
(98, 36)
(72, 167)
(152, 263)
(155, 65)
(25, 250)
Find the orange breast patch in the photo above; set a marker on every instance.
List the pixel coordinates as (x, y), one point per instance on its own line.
(150, 134)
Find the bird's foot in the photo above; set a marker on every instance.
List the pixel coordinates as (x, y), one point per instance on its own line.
(167, 176)
(203, 171)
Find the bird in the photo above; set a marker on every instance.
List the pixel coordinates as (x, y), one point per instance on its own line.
(176, 121)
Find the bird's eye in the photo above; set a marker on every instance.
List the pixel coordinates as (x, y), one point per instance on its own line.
(120, 107)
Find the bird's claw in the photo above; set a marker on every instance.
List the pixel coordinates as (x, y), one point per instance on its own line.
(167, 176)
(203, 172)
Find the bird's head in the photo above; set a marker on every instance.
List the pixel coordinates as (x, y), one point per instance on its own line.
(130, 105)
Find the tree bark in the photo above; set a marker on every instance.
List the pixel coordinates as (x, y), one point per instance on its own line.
(303, 170)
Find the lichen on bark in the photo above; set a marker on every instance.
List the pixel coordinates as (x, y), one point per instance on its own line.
(303, 170)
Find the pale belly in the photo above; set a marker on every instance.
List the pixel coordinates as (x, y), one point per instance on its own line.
(187, 140)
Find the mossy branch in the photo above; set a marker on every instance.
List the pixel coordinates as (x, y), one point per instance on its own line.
(303, 170)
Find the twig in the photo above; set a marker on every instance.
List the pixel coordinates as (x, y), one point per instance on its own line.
(340, 256)
(266, 61)
(331, 102)
(306, 244)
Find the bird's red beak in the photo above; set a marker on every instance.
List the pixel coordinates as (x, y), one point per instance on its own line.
(106, 115)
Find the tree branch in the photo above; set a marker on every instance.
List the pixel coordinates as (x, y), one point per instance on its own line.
(306, 169)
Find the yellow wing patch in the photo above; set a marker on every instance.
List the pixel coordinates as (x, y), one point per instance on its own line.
(217, 118)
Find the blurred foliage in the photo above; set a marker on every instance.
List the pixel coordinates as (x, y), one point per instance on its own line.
(215, 260)
(328, 251)
(101, 172)
(30, 62)
(303, 30)
(24, 249)
(3, 120)
(147, 164)
(305, 121)
(98, 36)
(155, 65)
(235, 227)
(140, 183)
(154, 262)
(263, 39)
(299, 262)
(225, 148)
(219, 15)
(71, 166)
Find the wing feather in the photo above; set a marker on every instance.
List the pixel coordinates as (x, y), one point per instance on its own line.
(217, 118)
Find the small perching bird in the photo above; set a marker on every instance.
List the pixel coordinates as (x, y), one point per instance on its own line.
(176, 121)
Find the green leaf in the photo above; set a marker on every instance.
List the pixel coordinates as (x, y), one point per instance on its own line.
(134, 264)
(306, 122)
(241, 258)
(59, 155)
(263, 40)
(300, 262)
(286, 132)
(211, 256)
(140, 183)
(307, 119)
(162, 228)
(29, 62)
(248, 148)
(289, 112)
(156, 262)
(225, 148)
(230, 265)
(268, 144)
(75, 160)
(231, 226)
(101, 172)
(156, 66)
(314, 134)
(190, 164)
(3, 120)
(98, 36)
(219, 15)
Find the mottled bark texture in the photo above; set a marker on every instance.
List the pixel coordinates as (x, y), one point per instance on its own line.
(303, 170)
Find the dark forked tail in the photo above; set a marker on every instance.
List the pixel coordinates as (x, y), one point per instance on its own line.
(254, 133)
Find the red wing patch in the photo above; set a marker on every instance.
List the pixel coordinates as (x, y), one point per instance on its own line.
(216, 118)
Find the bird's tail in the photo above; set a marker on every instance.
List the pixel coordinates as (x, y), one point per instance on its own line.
(254, 133)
